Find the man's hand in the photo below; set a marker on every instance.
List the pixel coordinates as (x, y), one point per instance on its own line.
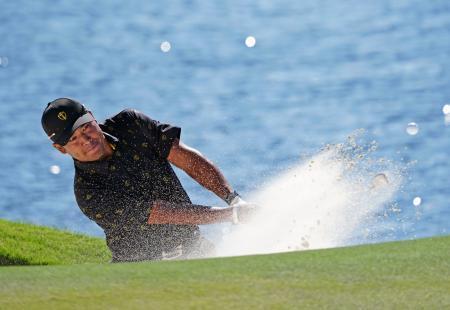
(242, 210)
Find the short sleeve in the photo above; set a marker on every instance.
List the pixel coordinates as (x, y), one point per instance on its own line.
(160, 136)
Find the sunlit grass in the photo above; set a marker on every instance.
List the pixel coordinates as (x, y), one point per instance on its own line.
(25, 244)
(408, 274)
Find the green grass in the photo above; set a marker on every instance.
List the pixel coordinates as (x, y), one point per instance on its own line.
(25, 244)
(409, 274)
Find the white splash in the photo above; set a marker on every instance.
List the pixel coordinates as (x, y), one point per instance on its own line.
(417, 201)
(412, 129)
(250, 41)
(446, 109)
(165, 46)
(316, 204)
(55, 169)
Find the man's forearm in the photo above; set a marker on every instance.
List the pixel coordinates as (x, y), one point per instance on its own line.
(199, 168)
(163, 212)
(209, 176)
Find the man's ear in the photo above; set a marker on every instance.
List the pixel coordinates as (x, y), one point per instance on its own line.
(60, 148)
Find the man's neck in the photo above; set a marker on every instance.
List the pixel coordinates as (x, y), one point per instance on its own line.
(109, 150)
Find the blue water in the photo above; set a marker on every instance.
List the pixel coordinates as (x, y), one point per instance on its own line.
(319, 71)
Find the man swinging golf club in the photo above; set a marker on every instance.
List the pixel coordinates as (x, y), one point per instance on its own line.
(125, 183)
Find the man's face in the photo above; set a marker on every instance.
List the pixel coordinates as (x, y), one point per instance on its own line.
(87, 143)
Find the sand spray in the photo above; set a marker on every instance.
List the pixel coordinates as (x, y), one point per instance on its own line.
(321, 202)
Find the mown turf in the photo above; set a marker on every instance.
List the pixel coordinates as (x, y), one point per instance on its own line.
(25, 244)
(410, 274)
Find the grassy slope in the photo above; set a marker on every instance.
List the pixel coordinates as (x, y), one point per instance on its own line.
(25, 244)
(392, 275)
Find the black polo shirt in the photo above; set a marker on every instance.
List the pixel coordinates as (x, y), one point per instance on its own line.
(117, 192)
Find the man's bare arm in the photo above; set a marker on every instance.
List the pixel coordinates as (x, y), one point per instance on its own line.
(163, 212)
(199, 168)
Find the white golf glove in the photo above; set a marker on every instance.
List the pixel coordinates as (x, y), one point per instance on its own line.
(242, 210)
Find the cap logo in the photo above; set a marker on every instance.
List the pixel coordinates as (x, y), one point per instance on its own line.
(62, 115)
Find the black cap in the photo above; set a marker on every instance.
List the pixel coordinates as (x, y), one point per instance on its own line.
(62, 117)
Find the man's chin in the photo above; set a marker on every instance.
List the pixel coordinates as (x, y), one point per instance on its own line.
(94, 154)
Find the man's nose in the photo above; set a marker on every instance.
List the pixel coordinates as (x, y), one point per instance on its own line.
(85, 138)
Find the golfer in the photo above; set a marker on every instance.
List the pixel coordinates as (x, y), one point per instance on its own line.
(124, 182)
